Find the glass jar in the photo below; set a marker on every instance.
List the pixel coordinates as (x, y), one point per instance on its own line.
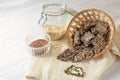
(54, 20)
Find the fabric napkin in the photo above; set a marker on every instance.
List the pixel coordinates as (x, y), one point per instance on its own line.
(49, 68)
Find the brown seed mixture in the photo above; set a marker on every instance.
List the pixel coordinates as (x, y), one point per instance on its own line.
(87, 40)
(76, 71)
(38, 43)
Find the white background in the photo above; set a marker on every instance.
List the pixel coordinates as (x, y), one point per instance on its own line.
(18, 18)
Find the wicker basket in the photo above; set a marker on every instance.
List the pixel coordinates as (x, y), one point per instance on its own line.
(90, 15)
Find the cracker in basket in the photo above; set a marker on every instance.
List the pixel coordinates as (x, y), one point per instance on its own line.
(88, 40)
(91, 32)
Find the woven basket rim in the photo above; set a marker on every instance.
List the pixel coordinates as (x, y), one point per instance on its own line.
(111, 36)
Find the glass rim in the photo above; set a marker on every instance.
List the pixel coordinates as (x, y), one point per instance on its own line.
(55, 13)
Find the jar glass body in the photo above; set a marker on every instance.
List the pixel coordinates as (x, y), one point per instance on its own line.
(54, 20)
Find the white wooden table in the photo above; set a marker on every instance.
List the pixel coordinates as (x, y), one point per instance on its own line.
(20, 19)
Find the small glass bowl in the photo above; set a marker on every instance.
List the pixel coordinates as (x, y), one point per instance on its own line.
(40, 51)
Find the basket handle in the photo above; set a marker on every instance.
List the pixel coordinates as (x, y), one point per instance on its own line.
(71, 11)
